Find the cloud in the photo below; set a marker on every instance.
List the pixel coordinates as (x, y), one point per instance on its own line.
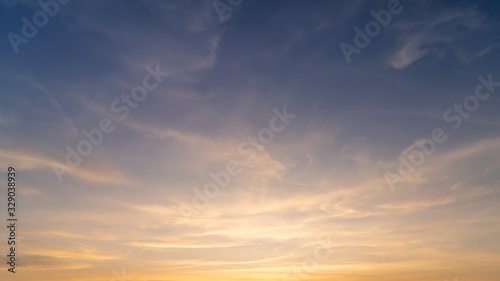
(418, 38)
(67, 250)
(91, 172)
(8, 120)
(187, 41)
(43, 262)
(29, 191)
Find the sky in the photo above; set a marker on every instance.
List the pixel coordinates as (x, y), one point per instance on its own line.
(250, 140)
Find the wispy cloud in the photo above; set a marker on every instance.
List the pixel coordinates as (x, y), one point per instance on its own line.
(440, 32)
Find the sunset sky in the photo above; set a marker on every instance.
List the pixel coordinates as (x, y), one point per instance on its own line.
(242, 142)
